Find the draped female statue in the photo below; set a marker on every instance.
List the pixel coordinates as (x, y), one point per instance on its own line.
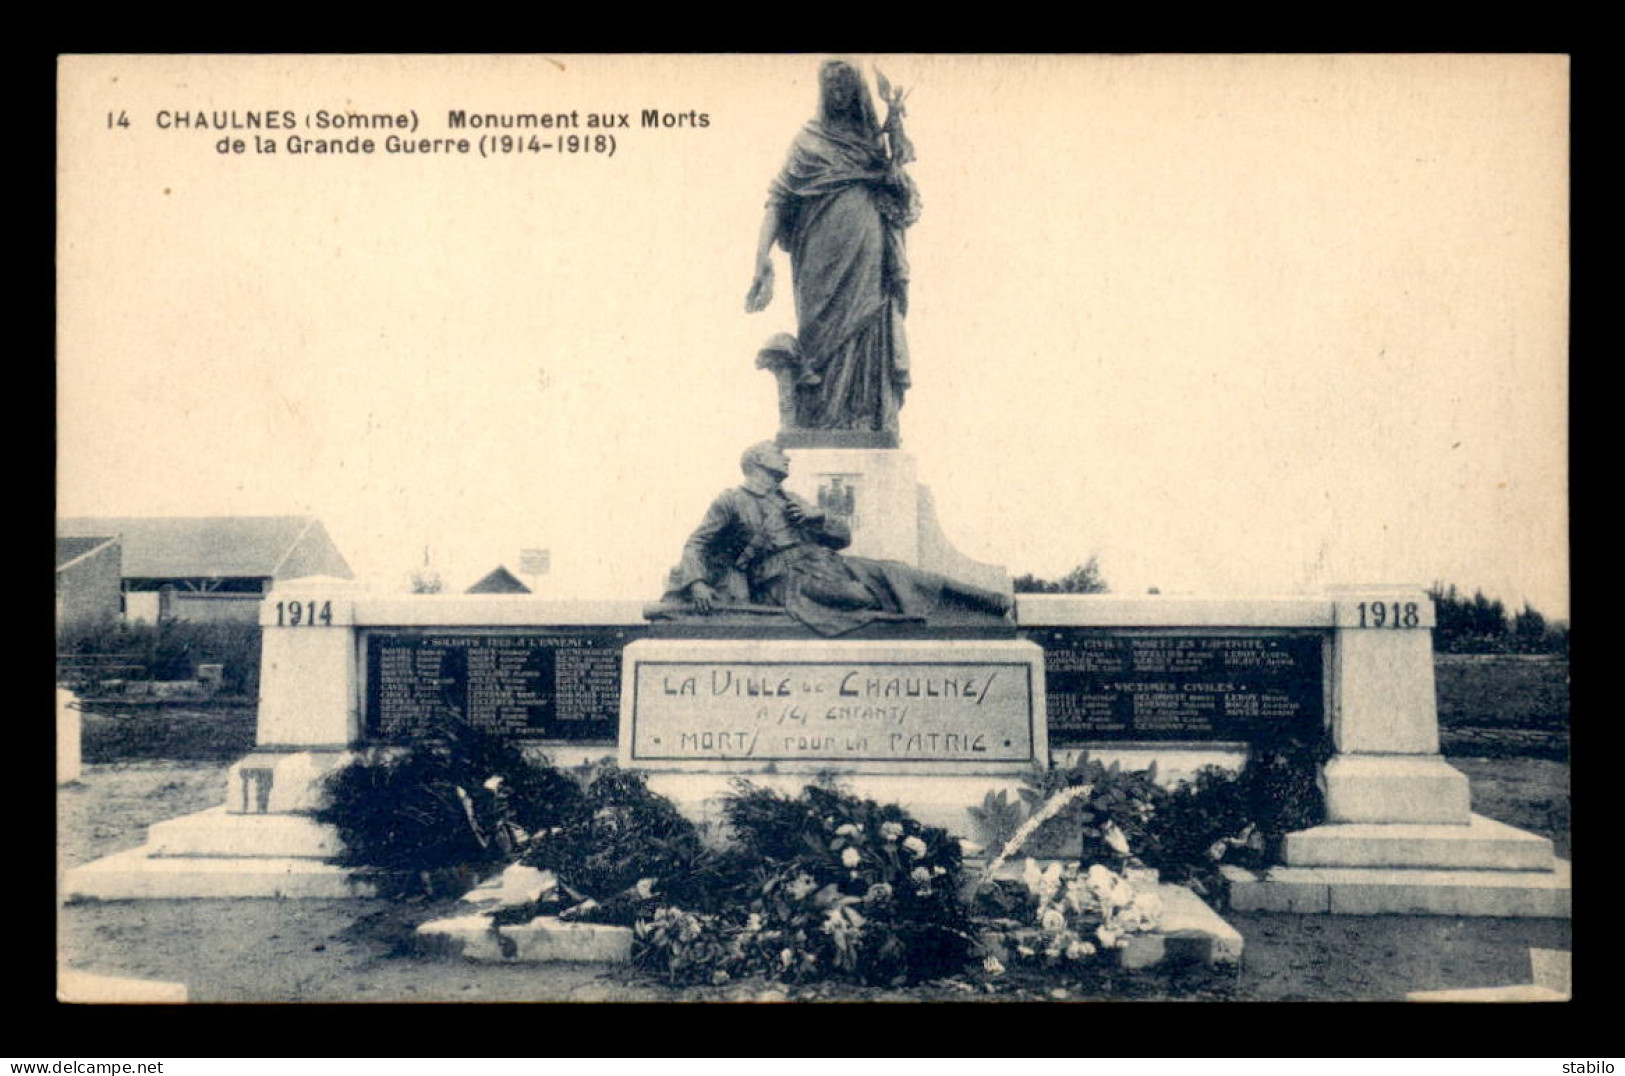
(839, 208)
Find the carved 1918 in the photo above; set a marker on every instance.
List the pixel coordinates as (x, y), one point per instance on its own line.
(1380, 614)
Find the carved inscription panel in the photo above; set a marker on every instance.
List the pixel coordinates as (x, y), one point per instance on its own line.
(947, 713)
(1108, 685)
(539, 684)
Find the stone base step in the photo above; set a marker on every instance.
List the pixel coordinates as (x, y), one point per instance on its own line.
(83, 988)
(143, 874)
(1189, 930)
(215, 833)
(1481, 844)
(1190, 933)
(1554, 981)
(1399, 891)
(1481, 994)
(544, 939)
(1389, 789)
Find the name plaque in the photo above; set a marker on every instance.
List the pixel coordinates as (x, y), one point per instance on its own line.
(531, 684)
(942, 713)
(1105, 685)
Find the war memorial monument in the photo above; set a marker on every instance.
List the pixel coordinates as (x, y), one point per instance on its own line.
(819, 620)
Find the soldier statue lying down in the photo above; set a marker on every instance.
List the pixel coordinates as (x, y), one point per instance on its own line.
(762, 545)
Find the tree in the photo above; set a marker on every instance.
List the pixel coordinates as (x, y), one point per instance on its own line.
(1529, 625)
(1480, 625)
(1086, 578)
(427, 581)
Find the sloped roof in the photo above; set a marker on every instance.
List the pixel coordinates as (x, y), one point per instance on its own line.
(71, 549)
(161, 547)
(499, 581)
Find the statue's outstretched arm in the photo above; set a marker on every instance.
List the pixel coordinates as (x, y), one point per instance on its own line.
(761, 285)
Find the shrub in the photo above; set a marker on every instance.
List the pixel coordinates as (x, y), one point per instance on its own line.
(1086, 578)
(174, 650)
(1185, 833)
(623, 847)
(460, 803)
(182, 646)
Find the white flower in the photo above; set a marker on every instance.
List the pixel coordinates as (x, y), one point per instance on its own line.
(992, 966)
(1108, 938)
(920, 875)
(1115, 839)
(1052, 920)
(851, 829)
(915, 847)
(1078, 950)
(891, 830)
(645, 888)
(1047, 884)
(754, 923)
(850, 857)
(1100, 878)
(492, 783)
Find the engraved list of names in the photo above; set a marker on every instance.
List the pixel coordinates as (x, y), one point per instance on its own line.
(1112, 685)
(552, 684)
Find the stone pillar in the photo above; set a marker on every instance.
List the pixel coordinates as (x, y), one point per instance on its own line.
(67, 736)
(883, 491)
(263, 842)
(309, 709)
(894, 516)
(1384, 714)
(308, 666)
(1399, 836)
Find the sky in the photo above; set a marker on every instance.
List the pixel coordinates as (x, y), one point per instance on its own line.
(1233, 324)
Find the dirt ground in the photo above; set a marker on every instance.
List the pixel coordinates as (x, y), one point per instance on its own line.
(356, 950)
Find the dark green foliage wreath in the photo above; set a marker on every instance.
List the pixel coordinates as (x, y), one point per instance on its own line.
(818, 884)
(444, 811)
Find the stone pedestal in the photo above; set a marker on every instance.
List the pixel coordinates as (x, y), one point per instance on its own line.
(262, 841)
(68, 725)
(916, 707)
(892, 516)
(875, 490)
(1400, 835)
(931, 724)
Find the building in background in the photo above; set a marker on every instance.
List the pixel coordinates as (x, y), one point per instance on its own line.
(214, 568)
(89, 583)
(499, 581)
